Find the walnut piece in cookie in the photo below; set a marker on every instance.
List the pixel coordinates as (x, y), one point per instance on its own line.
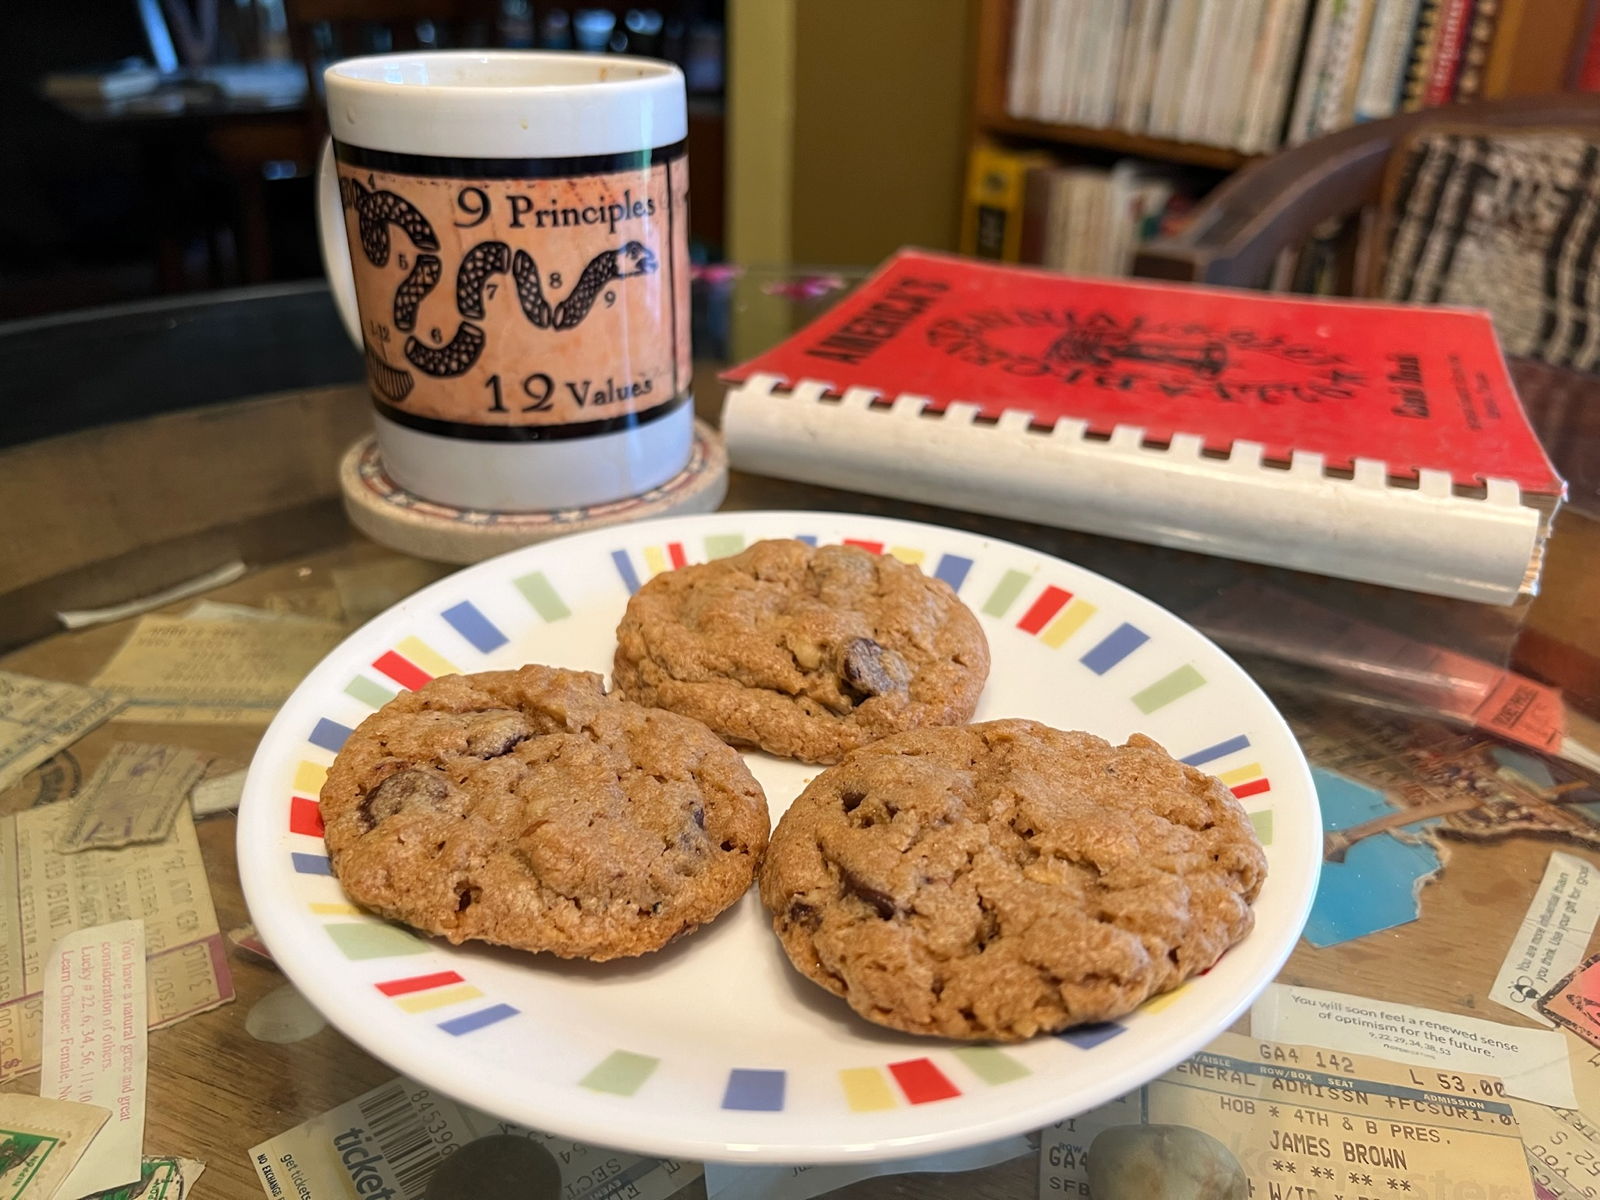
(805, 652)
(1006, 879)
(530, 809)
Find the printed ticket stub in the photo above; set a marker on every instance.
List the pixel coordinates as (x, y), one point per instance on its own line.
(174, 669)
(388, 1143)
(94, 1044)
(1574, 1001)
(1311, 1124)
(134, 796)
(1563, 1149)
(39, 717)
(1533, 1063)
(40, 1141)
(159, 1179)
(218, 794)
(49, 894)
(1551, 939)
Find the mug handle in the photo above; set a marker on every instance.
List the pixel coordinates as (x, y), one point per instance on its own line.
(335, 246)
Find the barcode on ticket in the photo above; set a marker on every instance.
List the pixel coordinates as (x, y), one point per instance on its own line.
(389, 1142)
(399, 1131)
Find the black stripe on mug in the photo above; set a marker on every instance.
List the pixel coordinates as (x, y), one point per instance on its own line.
(505, 168)
(527, 433)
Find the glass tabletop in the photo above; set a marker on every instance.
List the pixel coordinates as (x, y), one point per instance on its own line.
(216, 468)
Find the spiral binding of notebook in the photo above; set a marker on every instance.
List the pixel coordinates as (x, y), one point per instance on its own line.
(1461, 507)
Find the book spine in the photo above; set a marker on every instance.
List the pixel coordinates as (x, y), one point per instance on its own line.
(1176, 50)
(1253, 97)
(1269, 130)
(991, 218)
(1586, 62)
(1201, 85)
(1421, 538)
(1344, 66)
(1058, 236)
(1475, 55)
(1092, 67)
(1066, 61)
(1022, 93)
(1447, 54)
(1430, 20)
(1244, 64)
(1155, 18)
(1383, 75)
(1263, 105)
(1313, 73)
(1126, 81)
(1035, 216)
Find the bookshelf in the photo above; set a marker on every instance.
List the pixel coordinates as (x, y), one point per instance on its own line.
(1193, 154)
(995, 20)
(1534, 41)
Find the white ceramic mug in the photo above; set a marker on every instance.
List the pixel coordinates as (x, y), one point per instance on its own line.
(506, 238)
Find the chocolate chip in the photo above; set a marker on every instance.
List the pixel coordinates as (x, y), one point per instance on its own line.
(869, 670)
(492, 738)
(882, 903)
(404, 789)
(466, 895)
(802, 913)
(699, 815)
(851, 799)
(988, 927)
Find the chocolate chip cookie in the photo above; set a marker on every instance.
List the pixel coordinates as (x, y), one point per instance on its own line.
(1006, 879)
(530, 809)
(805, 652)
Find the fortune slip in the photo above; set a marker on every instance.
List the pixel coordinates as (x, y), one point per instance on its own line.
(175, 669)
(1532, 1062)
(387, 1143)
(39, 717)
(133, 796)
(95, 1048)
(40, 1142)
(164, 883)
(1305, 1122)
(1551, 939)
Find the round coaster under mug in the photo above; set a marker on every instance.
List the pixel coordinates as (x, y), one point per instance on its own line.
(401, 520)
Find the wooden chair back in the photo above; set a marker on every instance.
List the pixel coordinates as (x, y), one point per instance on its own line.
(1237, 235)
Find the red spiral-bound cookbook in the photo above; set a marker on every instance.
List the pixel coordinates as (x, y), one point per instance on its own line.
(1367, 441)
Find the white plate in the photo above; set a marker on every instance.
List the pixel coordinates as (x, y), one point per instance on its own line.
(716, 1048)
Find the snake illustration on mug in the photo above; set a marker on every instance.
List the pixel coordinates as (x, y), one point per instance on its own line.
(376, 210)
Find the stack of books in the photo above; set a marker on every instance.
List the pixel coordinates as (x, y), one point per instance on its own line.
(1249, 75)
(1023, 206)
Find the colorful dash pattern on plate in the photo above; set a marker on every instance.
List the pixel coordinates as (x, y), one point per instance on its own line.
(1035, 607)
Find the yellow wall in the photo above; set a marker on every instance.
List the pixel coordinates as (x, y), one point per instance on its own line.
(760, 129)
(850, 141)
